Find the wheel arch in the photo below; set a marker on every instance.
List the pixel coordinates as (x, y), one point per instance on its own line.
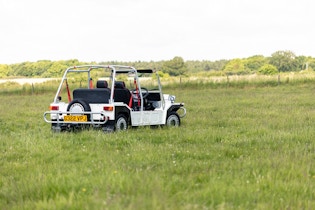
(173, 108)
(122, 110)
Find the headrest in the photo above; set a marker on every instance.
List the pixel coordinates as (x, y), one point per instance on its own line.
(120, 84)
(101, 84)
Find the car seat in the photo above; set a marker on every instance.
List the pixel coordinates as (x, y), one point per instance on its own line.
(122, 94)
(101, 84)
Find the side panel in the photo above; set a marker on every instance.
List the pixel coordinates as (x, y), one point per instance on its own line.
(139, 118)
(152, 117)
(136, 119)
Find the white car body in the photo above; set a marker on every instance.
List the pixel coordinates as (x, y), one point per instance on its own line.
(113, 107)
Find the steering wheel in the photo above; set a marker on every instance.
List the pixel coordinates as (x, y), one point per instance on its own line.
(144, 92)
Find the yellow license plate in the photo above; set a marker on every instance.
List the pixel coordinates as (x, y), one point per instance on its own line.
(74, 118)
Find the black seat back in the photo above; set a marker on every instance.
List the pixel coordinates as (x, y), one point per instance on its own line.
(92, 96)
(121, 93)
(101, 84)
(120, 85)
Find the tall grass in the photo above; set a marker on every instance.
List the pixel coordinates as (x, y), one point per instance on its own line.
(240, 81)
(239, 147)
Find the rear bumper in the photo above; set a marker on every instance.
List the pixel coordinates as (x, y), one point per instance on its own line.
(57, 117)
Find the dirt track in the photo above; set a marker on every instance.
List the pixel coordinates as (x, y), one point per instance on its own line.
(23, 81)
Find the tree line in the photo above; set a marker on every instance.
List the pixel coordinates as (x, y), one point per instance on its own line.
(279, 61)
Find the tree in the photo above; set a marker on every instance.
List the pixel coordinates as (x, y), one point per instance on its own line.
(234, 66)
(175, 67)
(302, 62)
(268, 69)
(22, 69)
(219, 64)
(311, 63)
(55, 70)
(255, 62)
(31, 68)
(4, 70)
(284, 61)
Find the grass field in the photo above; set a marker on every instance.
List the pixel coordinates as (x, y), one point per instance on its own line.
(240, 147)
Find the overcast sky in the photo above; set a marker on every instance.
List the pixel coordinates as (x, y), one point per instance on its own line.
(145, 30)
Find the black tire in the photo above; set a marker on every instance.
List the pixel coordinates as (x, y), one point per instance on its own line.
(55, 128)
(121, 123)
(79, 105)
(173, 120)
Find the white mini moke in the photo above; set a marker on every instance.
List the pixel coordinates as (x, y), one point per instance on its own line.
(121, 96)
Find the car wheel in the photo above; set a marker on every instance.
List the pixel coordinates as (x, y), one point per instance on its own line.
(173, 120)
(78, 105)
(121, 123)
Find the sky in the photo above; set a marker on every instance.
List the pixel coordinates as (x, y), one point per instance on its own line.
(153, 30)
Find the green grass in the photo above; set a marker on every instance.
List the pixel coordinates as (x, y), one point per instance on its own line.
(239, 147)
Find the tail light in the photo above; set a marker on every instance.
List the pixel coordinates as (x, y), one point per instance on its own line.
(108, 108)
(54, 108)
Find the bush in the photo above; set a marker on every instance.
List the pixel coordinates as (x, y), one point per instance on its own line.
(268, 69)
